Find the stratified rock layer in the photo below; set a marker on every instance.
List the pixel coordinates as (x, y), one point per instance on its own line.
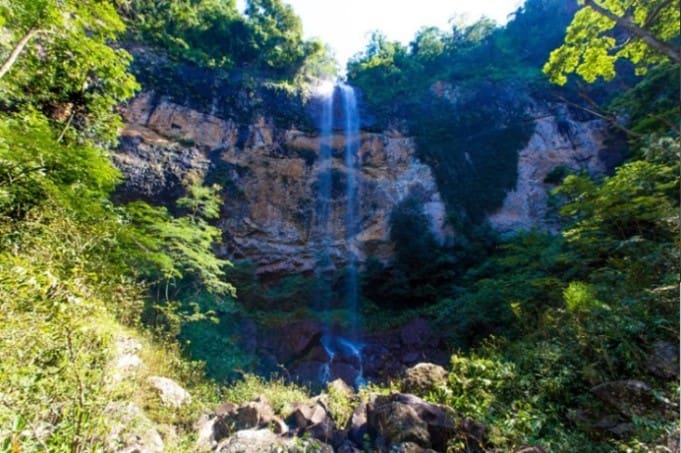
(270, 180)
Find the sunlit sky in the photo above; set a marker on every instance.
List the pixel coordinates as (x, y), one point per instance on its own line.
(346, 24)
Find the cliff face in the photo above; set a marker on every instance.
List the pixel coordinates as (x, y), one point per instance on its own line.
(270, 178)
(560, 143)
(225, 133)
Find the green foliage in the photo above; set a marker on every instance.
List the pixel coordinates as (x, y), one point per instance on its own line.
(593, 43)
(35, 165)
(170, 249)
(651, 106)
(73, 76)
(277, 392)
(474, 383)
(267, 41)
(341, 405)
(57, 292)
(626, 226)
(463, 95)
(72, 264)
(215, 342)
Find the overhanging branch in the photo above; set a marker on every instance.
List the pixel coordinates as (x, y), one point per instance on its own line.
(627, 23)
(7, 65)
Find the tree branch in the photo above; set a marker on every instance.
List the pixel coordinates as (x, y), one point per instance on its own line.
(629, 25)
(607, 117)
(653, 15)
(17, 50)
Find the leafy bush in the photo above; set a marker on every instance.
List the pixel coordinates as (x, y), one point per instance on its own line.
(280, 394)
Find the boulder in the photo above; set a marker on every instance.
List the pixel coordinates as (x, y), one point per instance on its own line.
(475, 433)
(210, 429)
(632, 398)
(402, 417)
(252, 441)
(613, 424)
(398, 422)
(265, 441)
(170, 392)
(256, 414)
(298, 338)
(358, 426)
(344, 371)
(131, 428)
(423, 378)
(339, 387)
(312, 419)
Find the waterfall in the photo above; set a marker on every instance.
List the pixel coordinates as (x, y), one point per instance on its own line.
(351, 157)
(341, 350)
(321, 296)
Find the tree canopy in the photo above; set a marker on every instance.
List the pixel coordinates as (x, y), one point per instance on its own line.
(644, 32)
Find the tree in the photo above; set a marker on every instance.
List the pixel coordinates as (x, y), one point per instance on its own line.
(72, 74)
(278, 34)
(605, 31)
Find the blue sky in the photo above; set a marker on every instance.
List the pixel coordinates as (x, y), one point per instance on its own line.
(346, 24)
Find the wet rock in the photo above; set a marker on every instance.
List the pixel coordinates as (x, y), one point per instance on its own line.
(663, 360)
(344, 371)
(306, 373)
(318, 354)
(170, 392)
(298, 338)
(632, 398)
(423, 378)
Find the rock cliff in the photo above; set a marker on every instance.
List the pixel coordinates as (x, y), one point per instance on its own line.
(269, 177)
(559, 144)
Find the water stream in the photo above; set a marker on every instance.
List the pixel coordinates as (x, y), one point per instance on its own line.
(344, 350)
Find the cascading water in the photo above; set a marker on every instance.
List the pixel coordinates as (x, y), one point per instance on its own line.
(339, 348)
(321, 293)
(351, 157)
(324, 199)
